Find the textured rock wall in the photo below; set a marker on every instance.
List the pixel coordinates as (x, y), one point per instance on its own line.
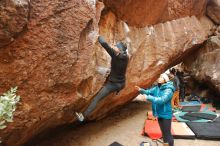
(148, 12)
(205, 65)
(54, 62)
(13, 19)
(213, 10)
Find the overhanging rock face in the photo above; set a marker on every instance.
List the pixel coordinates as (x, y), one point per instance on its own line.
(149, 12)
(55, 62)
(153, 50)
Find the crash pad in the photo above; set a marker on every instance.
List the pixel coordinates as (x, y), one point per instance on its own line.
(152, 129)
(181, 130)
(190, 106)
(179, 116)
(209, 131)
(178, 130)
(115, 144)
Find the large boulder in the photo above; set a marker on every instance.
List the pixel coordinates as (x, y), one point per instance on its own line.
(13, 19)
(205, 65)
(148, 12)
(53, 65)
(213, 10)
(55, 62)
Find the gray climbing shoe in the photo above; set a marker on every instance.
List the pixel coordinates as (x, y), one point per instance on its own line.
(79, 116)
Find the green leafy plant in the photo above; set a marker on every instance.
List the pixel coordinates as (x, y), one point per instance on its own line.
(8, 103)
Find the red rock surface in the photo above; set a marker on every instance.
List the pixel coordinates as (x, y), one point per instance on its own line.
(13, 19)
(148, 12)
(54, 63)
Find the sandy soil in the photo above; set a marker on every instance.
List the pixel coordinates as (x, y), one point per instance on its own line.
(123, 126)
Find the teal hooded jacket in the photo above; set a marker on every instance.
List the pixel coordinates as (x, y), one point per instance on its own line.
(161, 99)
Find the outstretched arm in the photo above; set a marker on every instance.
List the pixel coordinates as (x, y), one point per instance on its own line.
(161, 99)
(105, 45)
(147, 92)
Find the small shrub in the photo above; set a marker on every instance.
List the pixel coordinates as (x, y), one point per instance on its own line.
(8, 103)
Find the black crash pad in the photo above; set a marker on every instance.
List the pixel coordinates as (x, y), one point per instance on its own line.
(210, 130)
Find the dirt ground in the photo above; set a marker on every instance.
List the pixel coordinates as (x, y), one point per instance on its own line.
(123, 126)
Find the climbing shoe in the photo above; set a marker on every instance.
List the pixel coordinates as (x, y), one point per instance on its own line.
(79, 116)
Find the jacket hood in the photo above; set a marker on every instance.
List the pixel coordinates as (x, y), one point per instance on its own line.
(168, 84)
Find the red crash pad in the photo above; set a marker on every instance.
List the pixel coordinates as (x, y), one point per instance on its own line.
(179, 130)
(152, 129)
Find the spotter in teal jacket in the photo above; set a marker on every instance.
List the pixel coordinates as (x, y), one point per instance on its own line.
(161, 99)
